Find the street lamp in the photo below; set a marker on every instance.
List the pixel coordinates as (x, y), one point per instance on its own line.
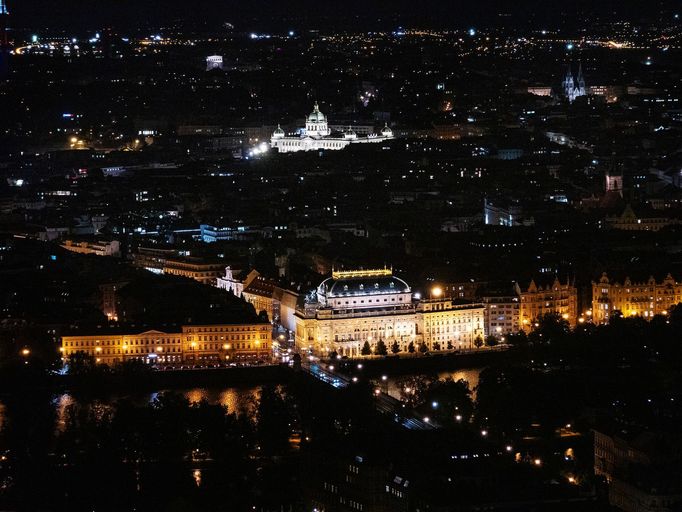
(436, 292)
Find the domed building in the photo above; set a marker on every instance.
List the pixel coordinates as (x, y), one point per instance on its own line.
(316, 135)
(354, 307)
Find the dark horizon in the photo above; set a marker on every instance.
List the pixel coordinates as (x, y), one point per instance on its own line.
(308, 14)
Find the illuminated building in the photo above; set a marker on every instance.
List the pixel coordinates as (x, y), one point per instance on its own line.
(194, 344)
(555, 298)
(631, 221)
(214, 62)
(444, 324)
(231, 282)
(101, 248)
(645, 299)
(264, 294)
(574, 87)
(357, 306)
(317, 135)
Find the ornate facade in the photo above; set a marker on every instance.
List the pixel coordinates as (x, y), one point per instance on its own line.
(354, 307)
(574, 87)
(317, 135)
(195, 344)
(537, 301)
(645, 299)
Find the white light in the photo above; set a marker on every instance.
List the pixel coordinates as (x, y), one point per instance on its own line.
(434, 405)
(291, 33)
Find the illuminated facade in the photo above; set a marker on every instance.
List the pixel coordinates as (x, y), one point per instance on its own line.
(317, 135)
(358, 306)
(195, 344)
(574, 87)
(103, 248)
(537, 301)
(194, 268)
(645, 299)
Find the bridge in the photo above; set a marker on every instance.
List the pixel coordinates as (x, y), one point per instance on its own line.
(384, 402)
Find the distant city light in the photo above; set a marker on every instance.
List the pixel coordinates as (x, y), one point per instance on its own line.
(570, 46)
(472, 32)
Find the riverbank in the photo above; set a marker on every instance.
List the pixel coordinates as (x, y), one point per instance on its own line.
(150, 380)
(432, 363)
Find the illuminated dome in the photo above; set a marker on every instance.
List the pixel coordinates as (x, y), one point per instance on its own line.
(350, 134)
(357, 283)
(278, 133)
(386, 131)
(316, 116)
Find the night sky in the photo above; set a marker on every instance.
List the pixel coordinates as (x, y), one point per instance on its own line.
(253, 14)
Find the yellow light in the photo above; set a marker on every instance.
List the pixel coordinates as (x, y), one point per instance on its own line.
(25, 352)
(159, 349)
(436, 291)
(664, 312)
(193, 344)
(98, 360)
(565, 316)
(537, 462)
(633, 313)
(581, 320)
(73, 140)
(124, 347)
(225, 346)
(571, 479)
(98, 349)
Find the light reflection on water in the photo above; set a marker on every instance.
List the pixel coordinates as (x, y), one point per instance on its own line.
(239, 400)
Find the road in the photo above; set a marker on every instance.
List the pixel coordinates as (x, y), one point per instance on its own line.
(384, 402)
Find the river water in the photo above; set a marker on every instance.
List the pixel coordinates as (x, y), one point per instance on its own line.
(236, 399)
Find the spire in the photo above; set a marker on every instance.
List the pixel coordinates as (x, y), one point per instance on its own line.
(316, 107)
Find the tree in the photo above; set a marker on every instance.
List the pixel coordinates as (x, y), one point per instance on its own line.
(518, 339)
(491, 340)
(478, 342)
(450, 401)
(395, 348)
(551, 328)
(333, 355)
(423, 348)
(436, 346)
(413, 388)
(381, 348)
(450, 347)
(272, 420)
(366, 349)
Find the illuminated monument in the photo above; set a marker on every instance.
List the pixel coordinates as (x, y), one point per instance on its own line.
(316, 135)
(354, 307)
(574, 87)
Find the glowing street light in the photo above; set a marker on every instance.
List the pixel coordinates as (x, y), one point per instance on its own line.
(436, 291)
